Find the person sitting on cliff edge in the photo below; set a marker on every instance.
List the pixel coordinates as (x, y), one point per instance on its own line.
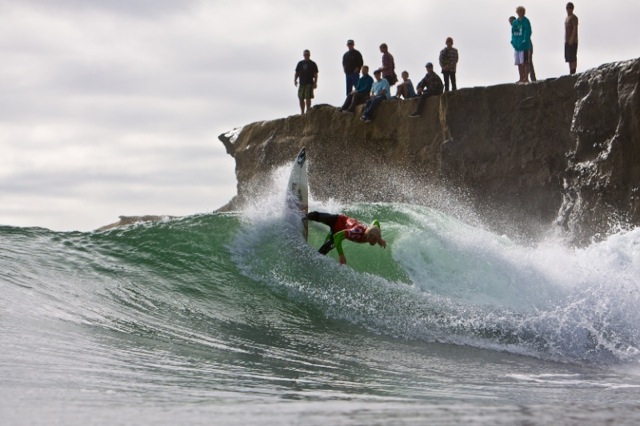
(343, 227)
(380, 91)
(360, 94)
(405, 89)
(430, 85)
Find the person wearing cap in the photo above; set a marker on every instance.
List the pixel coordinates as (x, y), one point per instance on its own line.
(571, 39)
(430, 85)
(342, 228)
(361, 92)
(380, 91)
(521, 42)
(448, 62)
(307, 73)
(351, 63)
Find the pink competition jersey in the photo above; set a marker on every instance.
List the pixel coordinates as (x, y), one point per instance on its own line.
(353, 230)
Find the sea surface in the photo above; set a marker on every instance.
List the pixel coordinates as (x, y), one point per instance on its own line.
(234, 319)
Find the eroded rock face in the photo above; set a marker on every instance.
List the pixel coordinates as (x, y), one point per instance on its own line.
(564, 150)
(603, 171)
(507, 145)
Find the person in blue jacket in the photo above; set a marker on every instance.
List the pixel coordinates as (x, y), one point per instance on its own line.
(521, 42)
(360, 94)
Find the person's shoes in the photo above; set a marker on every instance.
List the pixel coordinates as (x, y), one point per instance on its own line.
(365, 119)
(414, 115)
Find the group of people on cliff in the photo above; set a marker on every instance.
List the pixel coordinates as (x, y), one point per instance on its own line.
(523, 47)
(361, 88)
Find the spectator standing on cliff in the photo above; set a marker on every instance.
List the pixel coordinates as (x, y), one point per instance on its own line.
(448, 62)
(532, 71)
(388, 65)
(405, 89)
(307, 73)
(360, 94)
(380, 91)
(521, 42)
(571, 39)
(430, 85)
(351, 63)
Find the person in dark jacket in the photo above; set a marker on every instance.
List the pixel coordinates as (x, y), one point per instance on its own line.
(430, 85)
(351, 63)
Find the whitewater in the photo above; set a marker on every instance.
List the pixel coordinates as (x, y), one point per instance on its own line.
(232, 318)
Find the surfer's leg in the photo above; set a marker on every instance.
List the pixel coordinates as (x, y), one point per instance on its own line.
(329, 220)
(326, 218)
(327, 246)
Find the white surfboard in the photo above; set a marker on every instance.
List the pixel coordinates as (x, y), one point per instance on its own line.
(298, 191)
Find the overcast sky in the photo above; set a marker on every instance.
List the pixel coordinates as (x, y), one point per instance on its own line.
(113, 107)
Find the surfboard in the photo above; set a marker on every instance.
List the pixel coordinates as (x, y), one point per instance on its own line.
(298, 191)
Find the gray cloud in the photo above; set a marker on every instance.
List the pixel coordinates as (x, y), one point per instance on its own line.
(114, 107)
(141, 9)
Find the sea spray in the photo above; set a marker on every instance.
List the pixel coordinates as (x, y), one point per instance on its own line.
(453, 283)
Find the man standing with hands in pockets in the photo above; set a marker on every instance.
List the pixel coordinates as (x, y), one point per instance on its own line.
(351, 63)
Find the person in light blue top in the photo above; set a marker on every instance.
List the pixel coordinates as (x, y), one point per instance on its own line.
(380, 91)
(521, 42)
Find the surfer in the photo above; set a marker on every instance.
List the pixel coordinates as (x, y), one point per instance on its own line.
(343, 227)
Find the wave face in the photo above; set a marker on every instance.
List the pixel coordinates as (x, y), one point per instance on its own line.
(445, 281)
(244, 301)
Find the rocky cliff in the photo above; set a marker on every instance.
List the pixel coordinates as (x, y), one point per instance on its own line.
(563, 151)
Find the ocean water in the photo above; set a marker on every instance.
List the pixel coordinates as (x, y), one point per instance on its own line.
(235, 319)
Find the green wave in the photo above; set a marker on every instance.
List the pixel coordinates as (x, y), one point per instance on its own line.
(236, 283)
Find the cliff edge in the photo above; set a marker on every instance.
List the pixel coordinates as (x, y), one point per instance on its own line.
(563, 151)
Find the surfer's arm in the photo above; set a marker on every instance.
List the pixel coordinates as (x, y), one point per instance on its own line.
(338, 237)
